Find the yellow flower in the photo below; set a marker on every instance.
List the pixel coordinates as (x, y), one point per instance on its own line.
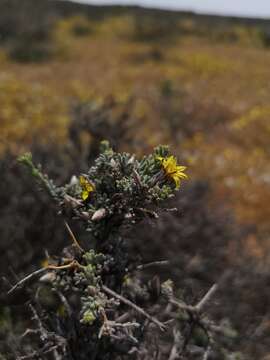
(172, 169)
(87, 188)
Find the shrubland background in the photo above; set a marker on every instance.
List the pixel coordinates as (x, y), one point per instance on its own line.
(72, 75)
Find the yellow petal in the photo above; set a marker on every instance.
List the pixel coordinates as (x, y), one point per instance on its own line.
(83, 180)
(181, 168)
(177, 181)
(87, 187)
(182, 175)
(85, 195)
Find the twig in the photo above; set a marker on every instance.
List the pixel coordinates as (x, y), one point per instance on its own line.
(29, 332)
(206, 353)
(72, 201)
(74, 238)
(51, 340)
(154, 263)
(195, 315)
(122, 318)
(125, 325)
(170, 209)
(137, 178)
(26, 279)
(200, 305)
(206, 297)
(182, 305)
(43, 332)
(60, 267)
(174, 354)
(38, 354)
(72, 265)
(134, 306)
(65, 302)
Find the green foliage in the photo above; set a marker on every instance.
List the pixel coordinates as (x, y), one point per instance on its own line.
(80, 26)
(43, 180)
(123, 190)
(27, 51)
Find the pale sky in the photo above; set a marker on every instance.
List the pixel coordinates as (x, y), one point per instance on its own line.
(254, 8)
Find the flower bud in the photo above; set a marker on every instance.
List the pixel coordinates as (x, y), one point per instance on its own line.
(99, 215)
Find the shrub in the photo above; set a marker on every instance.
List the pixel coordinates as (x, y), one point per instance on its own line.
(79, 26)
(149, 28)
(27, 50)
(93, 299)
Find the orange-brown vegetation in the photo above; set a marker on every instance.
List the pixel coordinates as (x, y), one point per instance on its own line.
(207, 97)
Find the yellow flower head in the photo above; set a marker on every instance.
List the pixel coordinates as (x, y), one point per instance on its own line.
(87, 188)
(172, 169)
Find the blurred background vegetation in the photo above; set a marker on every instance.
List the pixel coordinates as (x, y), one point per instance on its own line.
(72, 75)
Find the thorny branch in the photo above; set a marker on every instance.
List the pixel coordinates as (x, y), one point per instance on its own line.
(52, 342)
(195, 314)
(154, 263)
(206, 297)
(26, 280)
(134, 306)
(124, 192)
(75, 241)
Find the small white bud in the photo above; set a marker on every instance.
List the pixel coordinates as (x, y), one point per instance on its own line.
(131, 160)
(73, 181)
(99, 215)
(48, 278)
(72, 202)
(113, 163)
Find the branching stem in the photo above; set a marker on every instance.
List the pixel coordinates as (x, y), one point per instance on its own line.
(134, 306)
